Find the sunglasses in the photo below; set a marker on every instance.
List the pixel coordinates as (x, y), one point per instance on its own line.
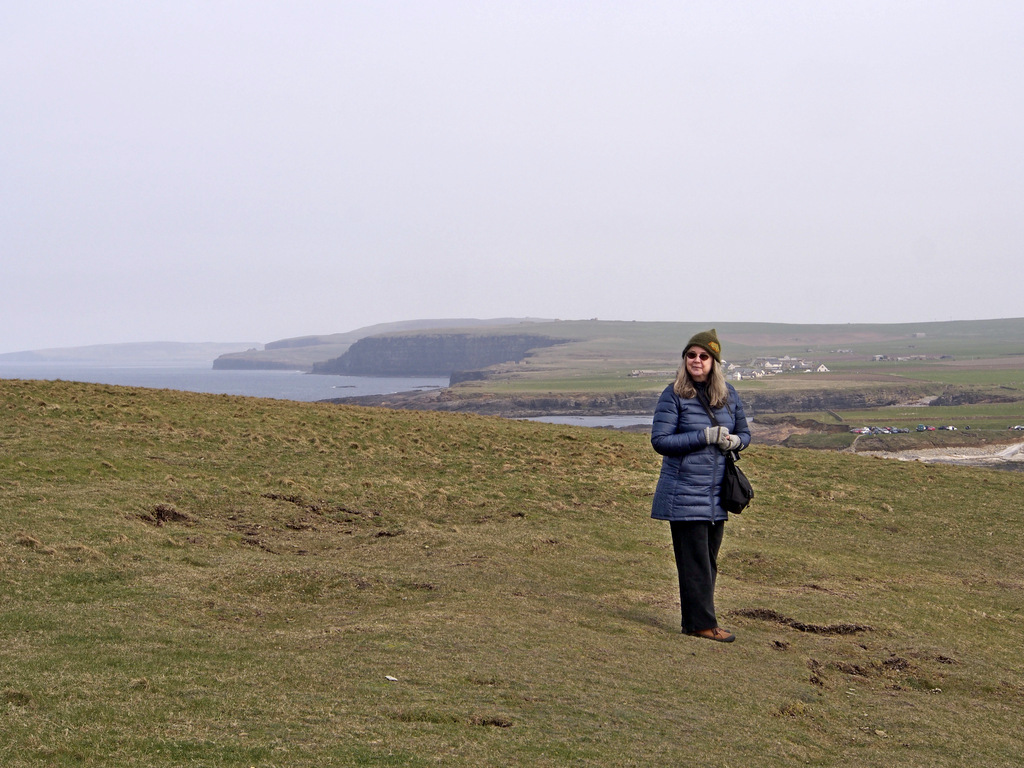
(694, 355)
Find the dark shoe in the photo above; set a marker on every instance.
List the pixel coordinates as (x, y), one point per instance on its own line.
(717, 634)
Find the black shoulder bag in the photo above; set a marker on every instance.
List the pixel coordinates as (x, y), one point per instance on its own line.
(736, 491)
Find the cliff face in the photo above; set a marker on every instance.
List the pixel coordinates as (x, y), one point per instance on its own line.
(287, 354)
(431, 354)
(605, 404)
(825, 399)
(302, 352)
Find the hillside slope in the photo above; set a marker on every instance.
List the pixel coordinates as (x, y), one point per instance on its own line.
(214, 580)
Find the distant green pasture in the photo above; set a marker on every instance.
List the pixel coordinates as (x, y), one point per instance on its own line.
(947, 375)
(986, 373)
(990, 412)
(987, 416)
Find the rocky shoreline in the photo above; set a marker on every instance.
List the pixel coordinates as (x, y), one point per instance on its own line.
(511, 406)
(525, 405)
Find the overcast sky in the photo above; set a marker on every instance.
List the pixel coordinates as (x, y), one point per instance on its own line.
(252, 170)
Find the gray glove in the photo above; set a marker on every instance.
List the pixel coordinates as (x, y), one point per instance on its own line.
(714, 435)
(730, 443)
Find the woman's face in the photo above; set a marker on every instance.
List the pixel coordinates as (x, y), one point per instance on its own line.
(698, 363)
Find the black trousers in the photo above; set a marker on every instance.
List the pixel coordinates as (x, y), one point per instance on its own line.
(696, 545)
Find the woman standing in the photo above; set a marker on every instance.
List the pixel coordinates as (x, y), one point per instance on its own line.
(693, 448)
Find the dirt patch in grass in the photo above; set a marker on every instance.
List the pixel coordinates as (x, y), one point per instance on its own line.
(162, 514)
(767, 614)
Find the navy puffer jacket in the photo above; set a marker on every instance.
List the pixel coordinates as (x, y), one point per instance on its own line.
(691, 470)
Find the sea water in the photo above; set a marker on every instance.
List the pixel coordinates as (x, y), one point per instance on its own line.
(612, 422)
(281, 385)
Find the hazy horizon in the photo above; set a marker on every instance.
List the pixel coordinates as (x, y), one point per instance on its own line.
(241, 346)
(196, 172)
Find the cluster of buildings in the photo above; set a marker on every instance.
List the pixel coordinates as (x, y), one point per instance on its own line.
(903, 358)
(757, 368)
(760, 367)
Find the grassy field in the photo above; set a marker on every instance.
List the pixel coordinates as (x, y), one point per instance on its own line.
(977, 424)
(597, 340)
(997, 416)
(218, 581)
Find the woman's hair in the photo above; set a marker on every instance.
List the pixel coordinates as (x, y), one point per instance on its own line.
(718, 393)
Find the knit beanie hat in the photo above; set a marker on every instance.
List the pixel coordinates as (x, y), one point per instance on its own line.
(709, 341)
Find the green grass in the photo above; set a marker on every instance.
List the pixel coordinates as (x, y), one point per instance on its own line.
(833, 441)
(947, 374)
(220, 581)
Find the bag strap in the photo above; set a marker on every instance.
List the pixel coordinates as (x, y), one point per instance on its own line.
(707, 407)
(734, 455)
